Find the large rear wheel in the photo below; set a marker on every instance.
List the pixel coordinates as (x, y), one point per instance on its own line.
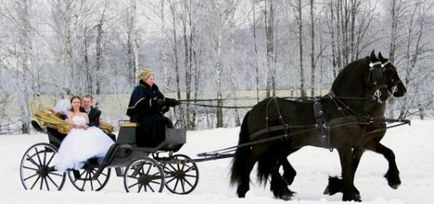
(37, 171)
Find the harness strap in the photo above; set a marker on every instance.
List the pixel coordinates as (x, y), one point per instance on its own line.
(268, 130)
(322, 122)
(278, 113)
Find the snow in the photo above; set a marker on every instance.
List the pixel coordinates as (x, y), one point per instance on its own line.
(412, 146)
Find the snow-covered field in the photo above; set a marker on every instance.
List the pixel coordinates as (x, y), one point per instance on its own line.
(413, 147)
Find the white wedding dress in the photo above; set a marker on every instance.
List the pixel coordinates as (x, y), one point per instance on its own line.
(80, 145)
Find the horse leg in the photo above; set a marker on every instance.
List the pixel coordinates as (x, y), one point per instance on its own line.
(392, 174)
(335, 184)
(278, 185)
(346, 159)
(244, 182)
(288, 171)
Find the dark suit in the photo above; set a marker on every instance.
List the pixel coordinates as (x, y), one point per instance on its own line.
(94, 115)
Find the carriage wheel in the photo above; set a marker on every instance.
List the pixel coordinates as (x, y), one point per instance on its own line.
(84, 180)
(37, 170)
(144, 175)
(181, 174)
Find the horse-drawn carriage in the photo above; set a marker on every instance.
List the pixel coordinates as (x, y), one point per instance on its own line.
(350, 119)
(144, 169)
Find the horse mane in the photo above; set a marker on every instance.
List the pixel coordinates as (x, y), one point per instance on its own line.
(353, 72)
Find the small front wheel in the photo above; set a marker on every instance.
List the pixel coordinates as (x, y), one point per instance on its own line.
(182, 175)
(144, 175)
(85, 180)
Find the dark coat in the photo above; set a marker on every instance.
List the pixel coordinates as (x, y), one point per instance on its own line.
(147, 105)
(94, 115)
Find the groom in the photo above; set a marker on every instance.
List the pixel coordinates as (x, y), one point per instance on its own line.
(93, 114)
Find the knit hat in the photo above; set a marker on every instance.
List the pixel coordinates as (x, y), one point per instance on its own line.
(145, 74)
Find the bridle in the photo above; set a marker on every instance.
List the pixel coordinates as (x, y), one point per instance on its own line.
(375, 74)
(393, 86)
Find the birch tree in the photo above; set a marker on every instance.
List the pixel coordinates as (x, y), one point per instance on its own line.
(21, 58)
(223, 13)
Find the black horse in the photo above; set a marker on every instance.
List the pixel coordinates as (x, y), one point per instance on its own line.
(337, 120)
(375, 133)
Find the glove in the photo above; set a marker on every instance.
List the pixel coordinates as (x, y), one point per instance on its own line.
(172, 102)
(157, 103)
(160, 102)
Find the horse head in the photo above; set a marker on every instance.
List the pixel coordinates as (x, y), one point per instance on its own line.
(376, 80)
(395, 86)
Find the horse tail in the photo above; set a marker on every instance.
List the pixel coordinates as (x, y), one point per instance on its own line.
(241, 153)
(265, 164)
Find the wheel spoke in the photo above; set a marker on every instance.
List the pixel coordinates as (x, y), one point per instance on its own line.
(167, 172)
(188, 182)
(46, 183)
(182, 185)
(140, 188)
(30, 168)
(84, 181)
(192, 176)
(51, 158)
(158, 183)
(84, 172)
(177, 166)
(190, 169)
(99, 182)
(135, 173)
(174, 169)
(176, 184)
(149, 169)
(31, 176)
(41, 183)
(91, 181)
(32, 161)
(37, 155)
(35, 182)
(173, 178)
(183, 166)
(150, 187)
(45, 157)
(56, 174)
(49, 177)
(102, 173)
(135, 184)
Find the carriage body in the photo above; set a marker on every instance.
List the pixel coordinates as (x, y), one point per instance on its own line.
(144, 169)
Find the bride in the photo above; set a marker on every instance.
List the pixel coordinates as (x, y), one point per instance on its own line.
(82, 142)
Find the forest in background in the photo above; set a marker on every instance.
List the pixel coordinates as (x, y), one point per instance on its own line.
(201, 49)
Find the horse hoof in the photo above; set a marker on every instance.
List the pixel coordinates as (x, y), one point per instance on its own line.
(354, 197)
(394, 186)
(326, 191)
(393, 181)
(335, 186)
(286, 197)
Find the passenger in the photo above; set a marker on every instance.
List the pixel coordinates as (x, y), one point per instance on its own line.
(147, 106)
(82, 142)
(94, 114)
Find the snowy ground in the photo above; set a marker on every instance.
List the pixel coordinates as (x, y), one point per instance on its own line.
(413, 146)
